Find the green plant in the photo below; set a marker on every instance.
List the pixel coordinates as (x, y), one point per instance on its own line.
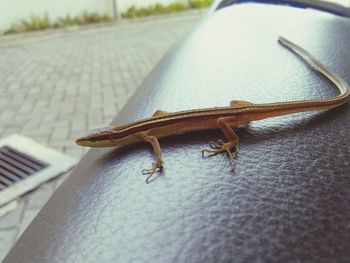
(156, 9)
(106, 18)
(11, 30)
(88, 18)
(36, 22)
(177, 7)
(201, 3)
(65, 21)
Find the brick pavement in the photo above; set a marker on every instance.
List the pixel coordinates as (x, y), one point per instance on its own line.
(56, 87)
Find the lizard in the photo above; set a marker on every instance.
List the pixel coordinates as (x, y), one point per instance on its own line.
(163, 124)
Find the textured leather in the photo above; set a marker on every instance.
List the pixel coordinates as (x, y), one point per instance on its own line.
(288, 199)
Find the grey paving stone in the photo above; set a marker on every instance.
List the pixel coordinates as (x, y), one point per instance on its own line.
(7, 238)
(11, 219)
(27, 218)
(39, 197)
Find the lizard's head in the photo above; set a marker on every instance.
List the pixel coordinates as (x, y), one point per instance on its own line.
(104, 137)
(97, 138)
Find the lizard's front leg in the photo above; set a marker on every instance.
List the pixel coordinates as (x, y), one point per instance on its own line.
(230, 147)
(158, 152)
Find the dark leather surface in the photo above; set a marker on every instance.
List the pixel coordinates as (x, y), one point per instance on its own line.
(330, 6)
(289, 198)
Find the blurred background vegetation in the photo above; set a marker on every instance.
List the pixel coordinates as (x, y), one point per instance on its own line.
(40, 22)
(159, 9)
(37, 22)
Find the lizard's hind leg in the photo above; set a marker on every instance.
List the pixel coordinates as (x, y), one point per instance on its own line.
(230, 147)
(158, 152)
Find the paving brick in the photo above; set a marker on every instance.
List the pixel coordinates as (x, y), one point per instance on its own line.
(37, 198)
(27, 218)
(12, 218)
(7, 238)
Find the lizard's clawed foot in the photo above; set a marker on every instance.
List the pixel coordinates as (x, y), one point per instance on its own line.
(151, 171)
(220, 147)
